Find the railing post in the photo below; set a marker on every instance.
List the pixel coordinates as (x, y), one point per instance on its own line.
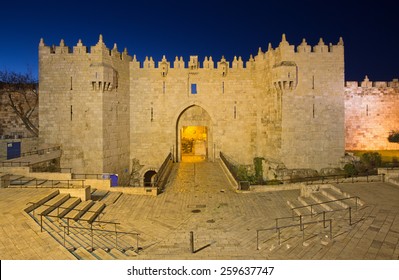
(324, 219)
(116, 239)
(137, 243)
(300, 223)
(92, 237)
(278, 234)
(68, 225)
(257, 239)
(192, 241)
(350, 216)
(41, 223)
(331, 229)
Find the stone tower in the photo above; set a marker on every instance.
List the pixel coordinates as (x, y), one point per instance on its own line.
(107, 109)
(84, 99)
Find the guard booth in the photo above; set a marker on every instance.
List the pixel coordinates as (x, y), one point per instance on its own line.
(13, 150)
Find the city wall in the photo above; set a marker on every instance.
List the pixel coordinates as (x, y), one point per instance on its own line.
(371, 113)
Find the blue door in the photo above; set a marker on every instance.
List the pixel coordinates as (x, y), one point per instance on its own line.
(114, 180)
(13, 150)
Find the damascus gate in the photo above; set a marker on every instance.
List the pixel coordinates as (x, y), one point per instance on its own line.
(111, 113)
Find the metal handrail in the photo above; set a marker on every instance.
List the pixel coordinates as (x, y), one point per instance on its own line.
(103, 230)
(54, 184)
(87, 175)
(301, 225)
(14, 163)
(41, 151)
(325, 202)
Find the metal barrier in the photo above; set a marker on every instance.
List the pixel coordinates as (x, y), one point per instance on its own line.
(325, 202)
(14, 163)
(92, 231)
(301, 226)
(41, 151)
(89, 176)
(39, 183)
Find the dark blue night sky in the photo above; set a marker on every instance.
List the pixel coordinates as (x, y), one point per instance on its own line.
(204, 28)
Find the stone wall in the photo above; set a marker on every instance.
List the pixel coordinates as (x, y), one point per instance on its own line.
(105, 108)
(84, 106)
(371, 112)
(11, 125)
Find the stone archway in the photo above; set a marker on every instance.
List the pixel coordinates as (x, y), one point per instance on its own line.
(194, 139)
(149, 178)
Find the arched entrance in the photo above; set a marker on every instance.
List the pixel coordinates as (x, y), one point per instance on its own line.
(149, 178)
(194, 135)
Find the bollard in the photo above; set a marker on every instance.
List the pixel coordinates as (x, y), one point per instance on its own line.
(192, 242)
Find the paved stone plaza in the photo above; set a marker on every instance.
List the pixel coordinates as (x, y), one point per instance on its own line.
(224, 222)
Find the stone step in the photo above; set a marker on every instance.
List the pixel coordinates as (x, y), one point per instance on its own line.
(64, 208)
(309, 201)
(21, 181)
(102, 255)
(320, 198)
(98, 194)
(340, 197)
(303, 211)
(56, 230)
(118, 254)
(79, 210)
(83, 254)
(39, 201)
(111, 197)
(92, 213)
(101, 239)
(52, 204)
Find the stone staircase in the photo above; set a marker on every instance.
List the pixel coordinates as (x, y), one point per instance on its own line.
(74, 224)
(328, 204)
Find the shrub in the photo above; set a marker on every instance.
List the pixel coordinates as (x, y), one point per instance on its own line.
(371, 160)
(393, 136)
(350, 169)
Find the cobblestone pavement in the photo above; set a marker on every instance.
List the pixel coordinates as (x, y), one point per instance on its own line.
(199, 199)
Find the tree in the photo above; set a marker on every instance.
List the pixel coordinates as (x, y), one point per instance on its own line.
(21, 90)
(393, 137)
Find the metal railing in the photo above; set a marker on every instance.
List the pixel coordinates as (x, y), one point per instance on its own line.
(41, 151)
(89, 176)
(40, 183)
(67, 227)
(14, 163)
(92, 231)
(301, 226)
(325, 202)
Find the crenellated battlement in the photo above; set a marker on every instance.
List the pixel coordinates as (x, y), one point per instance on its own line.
(80, 49)
(366, 83)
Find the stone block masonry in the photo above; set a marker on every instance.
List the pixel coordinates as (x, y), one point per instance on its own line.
(371, 113)
(106, 108)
